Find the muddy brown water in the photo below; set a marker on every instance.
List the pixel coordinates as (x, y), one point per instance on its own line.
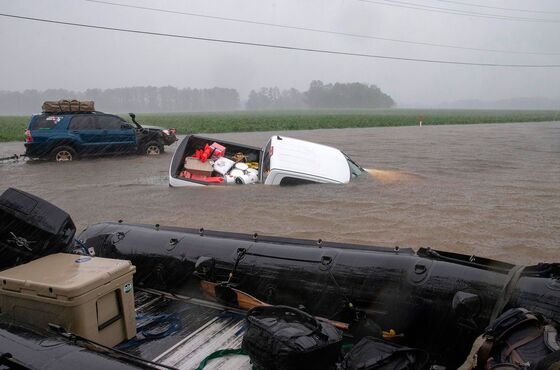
(490, 190)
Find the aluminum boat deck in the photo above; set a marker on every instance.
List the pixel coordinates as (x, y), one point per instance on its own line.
(202, 327)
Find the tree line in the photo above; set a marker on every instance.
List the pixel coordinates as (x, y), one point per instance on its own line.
(127, 99)
(320, 95)
(172, 99)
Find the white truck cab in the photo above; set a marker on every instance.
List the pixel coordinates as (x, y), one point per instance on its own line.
(283, 161)
(288, 161)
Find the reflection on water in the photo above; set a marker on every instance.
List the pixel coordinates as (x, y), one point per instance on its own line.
(392, 175)
(491, 190)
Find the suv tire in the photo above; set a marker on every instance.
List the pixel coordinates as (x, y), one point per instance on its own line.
(153, 148)
(63, 154)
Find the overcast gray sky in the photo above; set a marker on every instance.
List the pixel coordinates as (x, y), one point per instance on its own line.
(41, 56)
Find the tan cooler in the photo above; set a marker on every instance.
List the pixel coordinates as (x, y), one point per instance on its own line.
(89, 296)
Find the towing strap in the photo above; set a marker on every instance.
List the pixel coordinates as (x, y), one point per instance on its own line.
(511, 281)
(14, 157)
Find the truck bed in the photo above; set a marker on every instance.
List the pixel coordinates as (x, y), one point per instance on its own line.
(205, 327)
(191, 143)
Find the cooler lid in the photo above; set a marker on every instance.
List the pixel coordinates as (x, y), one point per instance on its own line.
(63, 275)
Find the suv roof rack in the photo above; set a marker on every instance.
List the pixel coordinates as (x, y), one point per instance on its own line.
(68, 112)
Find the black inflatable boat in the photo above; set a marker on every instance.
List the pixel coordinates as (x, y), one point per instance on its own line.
(441, 301)
(433, 300)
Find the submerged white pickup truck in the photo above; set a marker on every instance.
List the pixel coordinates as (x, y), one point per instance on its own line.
(282, 161)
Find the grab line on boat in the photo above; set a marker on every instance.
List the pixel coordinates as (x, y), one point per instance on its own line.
(196, 301)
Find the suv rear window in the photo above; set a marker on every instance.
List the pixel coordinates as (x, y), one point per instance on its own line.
(45, 122)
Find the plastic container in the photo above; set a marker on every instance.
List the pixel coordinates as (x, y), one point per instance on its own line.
(253, 177)
(249, 178)
(236, 173)
(218, 150)
(223, 165)
(89, 296)
(241, 166)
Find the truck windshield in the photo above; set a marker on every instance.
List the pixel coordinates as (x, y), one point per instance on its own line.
(355, 169)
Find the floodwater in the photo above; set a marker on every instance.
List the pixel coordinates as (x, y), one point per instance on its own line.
(489, 190)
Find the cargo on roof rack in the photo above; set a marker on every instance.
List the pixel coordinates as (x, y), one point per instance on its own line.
(72, 106)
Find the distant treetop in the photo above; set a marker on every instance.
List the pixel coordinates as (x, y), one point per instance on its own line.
(319, 95)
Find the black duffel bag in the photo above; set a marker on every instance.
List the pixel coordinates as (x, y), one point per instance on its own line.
(376, 354)
(282, 337)
(518, 340)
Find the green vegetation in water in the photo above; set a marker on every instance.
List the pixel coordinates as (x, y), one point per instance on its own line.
(13, 127)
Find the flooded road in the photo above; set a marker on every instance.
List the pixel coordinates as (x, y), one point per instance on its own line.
(490, 190)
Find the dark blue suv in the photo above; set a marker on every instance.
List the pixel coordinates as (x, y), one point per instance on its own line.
(67, 136)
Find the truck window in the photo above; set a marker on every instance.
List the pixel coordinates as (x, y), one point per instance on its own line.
(290, 181)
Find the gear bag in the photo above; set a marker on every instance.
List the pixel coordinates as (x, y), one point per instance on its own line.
(282, 337)
(516, 340)
(68, 106)
(376, 354)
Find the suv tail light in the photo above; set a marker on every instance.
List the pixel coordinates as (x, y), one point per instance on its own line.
(28, 137)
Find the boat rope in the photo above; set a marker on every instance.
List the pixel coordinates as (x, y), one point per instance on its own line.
(153, 327)
(83, 246)
(347, 304)
(241, 252)
(221, 353)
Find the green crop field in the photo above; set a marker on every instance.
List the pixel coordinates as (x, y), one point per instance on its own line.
(12, 127)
